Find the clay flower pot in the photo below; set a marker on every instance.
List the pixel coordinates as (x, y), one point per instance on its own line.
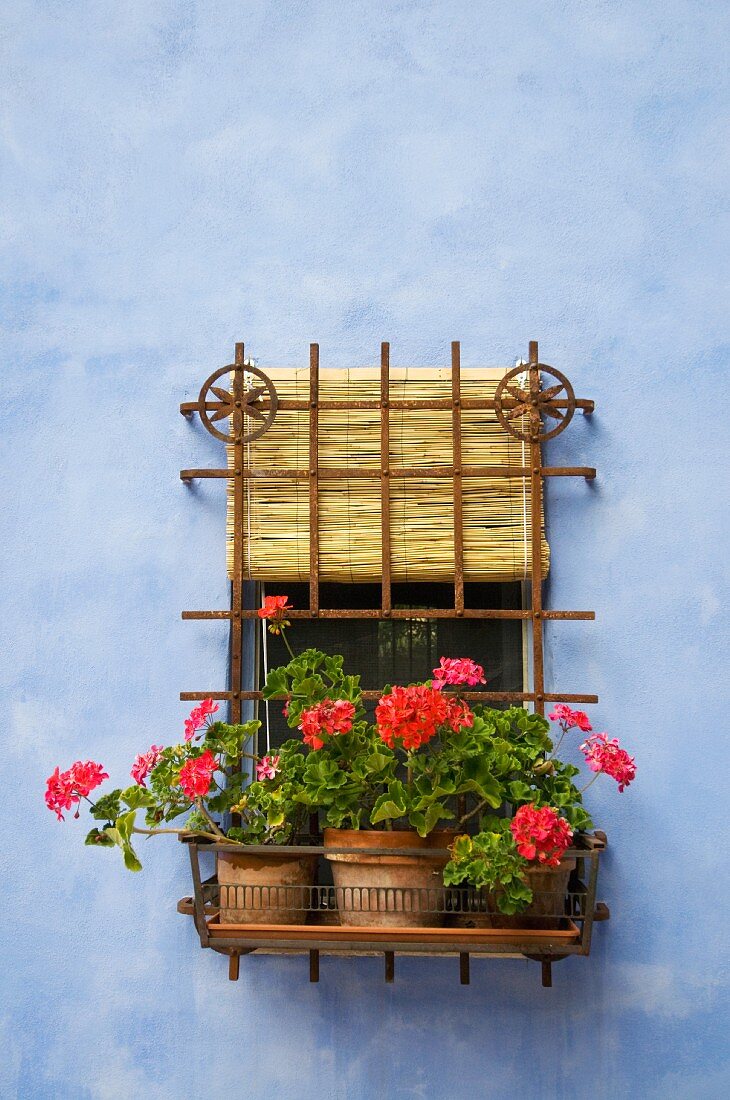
(549, 886)
(265, 889)
(383, 889)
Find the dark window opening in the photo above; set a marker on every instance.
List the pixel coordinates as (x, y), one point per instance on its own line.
(399, 651)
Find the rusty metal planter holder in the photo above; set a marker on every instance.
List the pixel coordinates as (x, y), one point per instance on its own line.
(528, 410)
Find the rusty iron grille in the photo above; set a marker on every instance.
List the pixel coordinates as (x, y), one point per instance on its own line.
(533, 402)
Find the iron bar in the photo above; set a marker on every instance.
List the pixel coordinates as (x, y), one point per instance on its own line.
(456, 472)
(187, 408)
(385, 593)
(404, 613)
(538, 675)
(423, 473)
(313, 475)
(236, 628)
(471, 696)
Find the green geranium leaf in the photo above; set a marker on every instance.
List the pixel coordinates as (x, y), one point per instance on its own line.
(137, 796)
(100, 838)
(130, 858)
(391, 804)
(424, 823)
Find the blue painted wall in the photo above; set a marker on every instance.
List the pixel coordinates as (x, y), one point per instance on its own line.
(180, 175)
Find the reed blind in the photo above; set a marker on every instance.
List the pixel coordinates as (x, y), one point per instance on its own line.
(496, 510)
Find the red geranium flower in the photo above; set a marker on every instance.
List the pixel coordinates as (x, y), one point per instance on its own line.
(275, 608)
(65, 789)
(413, 715)
(458, 670)
(196, 775)
(324, 720)
(607, 756)
(541, 834)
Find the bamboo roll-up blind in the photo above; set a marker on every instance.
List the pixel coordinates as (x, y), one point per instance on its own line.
(496, 510)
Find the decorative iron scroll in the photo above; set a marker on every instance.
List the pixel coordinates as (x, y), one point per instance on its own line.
(513, 402)
(242, 402)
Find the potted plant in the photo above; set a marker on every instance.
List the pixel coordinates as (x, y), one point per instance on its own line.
(518, 863)
(387, 784)
(199, 783)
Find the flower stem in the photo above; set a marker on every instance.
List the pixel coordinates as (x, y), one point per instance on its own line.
(185, 832)
(285, 640)
(590, 781)
(472, 813)
(206, 815)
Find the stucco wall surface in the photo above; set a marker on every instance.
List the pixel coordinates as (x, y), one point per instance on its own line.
(179, 175)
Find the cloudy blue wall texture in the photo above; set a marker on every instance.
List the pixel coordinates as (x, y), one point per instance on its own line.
(182, 175)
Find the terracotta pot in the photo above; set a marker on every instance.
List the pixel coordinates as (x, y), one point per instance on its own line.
(547, 908)
(376, 890)
(265, 889)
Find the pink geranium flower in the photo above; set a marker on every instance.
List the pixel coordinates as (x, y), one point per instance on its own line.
(144, 762)
(570, 719)
(268, 767)
(196, 775)
(607, 756)
(457, 670)
(198, 718)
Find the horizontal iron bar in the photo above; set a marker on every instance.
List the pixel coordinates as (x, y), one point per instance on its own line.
(472, 696)
(320, 849)
(191, 475)
(585, 405)
(402, 613)
(339, 473)
(319, 942)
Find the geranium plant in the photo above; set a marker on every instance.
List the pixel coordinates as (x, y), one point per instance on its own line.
(196, 783)
(499, 857)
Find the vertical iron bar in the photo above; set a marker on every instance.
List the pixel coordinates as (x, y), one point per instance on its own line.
(313, 479)
(547, 973)
(385, 475)
(389, 966)
(201, 926)
(538, 674)
(458, 498)
(590, 902)
(314, 966)
(236, 629)
(464, 975)
(233, 965)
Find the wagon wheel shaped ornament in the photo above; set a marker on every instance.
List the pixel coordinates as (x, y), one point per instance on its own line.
(520, 394)
(253, 396)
